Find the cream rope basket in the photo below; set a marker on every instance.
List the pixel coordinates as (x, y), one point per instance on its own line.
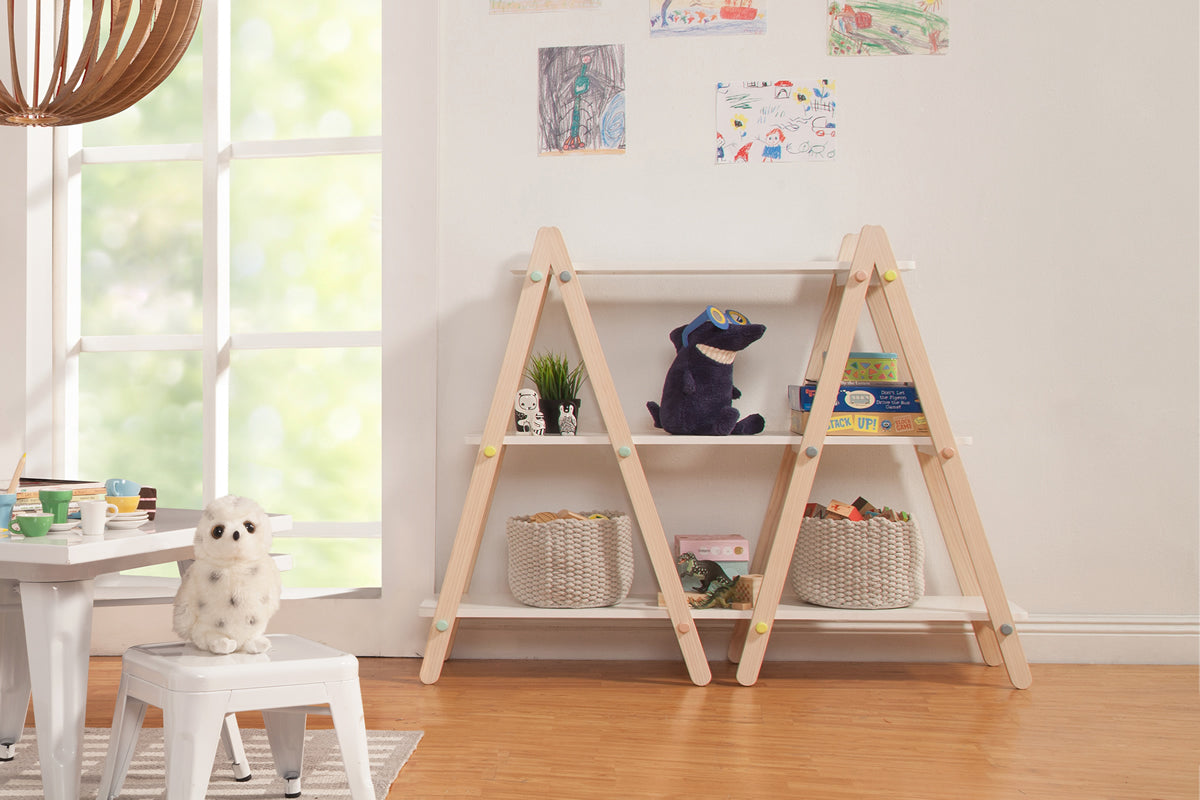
(872, 563)
(571, 563)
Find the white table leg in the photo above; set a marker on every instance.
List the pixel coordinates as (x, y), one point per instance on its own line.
(58, 634)
(14, 670)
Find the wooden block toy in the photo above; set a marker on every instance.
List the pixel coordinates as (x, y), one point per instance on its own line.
(840, 510)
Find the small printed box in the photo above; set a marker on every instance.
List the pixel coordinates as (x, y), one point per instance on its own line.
(713, 548)
(856, 424)
(870, 367)
(895, 399)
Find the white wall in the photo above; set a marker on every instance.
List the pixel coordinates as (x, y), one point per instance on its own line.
(1044, 177)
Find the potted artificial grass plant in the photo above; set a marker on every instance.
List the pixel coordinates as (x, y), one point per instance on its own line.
(558, 385)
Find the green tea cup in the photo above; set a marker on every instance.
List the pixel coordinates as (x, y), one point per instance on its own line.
(30, 525)
(56, 502)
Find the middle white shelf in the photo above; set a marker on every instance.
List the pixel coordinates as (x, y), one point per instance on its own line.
(656, 438)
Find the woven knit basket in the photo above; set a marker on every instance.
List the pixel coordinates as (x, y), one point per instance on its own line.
(872, 563)
(571, 563)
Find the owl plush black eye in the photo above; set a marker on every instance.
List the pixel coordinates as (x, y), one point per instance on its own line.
(218, 531)
(249, 526)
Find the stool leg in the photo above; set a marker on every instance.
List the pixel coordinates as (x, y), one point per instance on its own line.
(127, 722)
(191, 727)
(285, 733)
(231, 737)
(345, 704)
(14, 671)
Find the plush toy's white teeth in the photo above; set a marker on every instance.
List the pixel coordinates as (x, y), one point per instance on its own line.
(716, 354)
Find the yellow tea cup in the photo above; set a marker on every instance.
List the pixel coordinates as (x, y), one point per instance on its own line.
(124, 505)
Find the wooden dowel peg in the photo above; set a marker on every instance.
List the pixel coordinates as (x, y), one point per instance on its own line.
(624, 452)
(489, 451)
(1006, 629)
(536, 276)
(683, 627)
(948, 452)
(442, 625)
(890, 275)
(811, 451)
(860, 275)
(564, 276)
(762, 627)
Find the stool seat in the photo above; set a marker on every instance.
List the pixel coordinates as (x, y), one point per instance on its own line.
(199, 692)
(183, 667)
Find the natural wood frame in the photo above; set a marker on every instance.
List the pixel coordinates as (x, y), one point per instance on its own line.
(872, 280)
(549, 261)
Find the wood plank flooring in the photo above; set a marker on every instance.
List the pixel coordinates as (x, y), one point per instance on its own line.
(524, 730)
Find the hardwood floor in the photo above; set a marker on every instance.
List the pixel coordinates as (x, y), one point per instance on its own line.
(517, 730)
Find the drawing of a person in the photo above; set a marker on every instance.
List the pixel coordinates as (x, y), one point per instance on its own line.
(773, 149)
(720, 147)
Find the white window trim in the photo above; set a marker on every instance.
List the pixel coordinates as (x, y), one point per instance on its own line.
(409, 341)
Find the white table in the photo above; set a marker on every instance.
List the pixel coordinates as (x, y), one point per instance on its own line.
(46, 592)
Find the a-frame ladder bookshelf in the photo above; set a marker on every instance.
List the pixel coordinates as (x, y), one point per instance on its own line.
(873, 279)
(548, 261)
(866, 274)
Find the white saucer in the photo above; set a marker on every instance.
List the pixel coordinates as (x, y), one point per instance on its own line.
(64, 526)
(131, 515)
(122, 524)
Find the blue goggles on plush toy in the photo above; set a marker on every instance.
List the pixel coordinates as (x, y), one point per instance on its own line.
(722, 319)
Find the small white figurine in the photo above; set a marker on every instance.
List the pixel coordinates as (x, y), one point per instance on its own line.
(566, 420)
(529, 416)
(231, 590)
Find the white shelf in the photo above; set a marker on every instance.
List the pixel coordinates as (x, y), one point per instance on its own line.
(657, 438)
(723, 270)
(932, 608)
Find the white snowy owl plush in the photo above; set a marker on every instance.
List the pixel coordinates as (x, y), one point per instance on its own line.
(232, 588)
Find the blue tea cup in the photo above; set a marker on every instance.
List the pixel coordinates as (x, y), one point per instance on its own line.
(7, 501)
(122, 487)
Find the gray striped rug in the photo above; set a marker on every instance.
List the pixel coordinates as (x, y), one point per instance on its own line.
(323, 777)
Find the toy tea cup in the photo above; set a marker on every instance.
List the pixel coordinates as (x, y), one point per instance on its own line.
(30, 525)
(94, 514)
(125, 503)
(122, 487)
(56, 502)
(7, 501)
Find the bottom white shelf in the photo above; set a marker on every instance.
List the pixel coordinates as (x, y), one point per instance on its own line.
(932, 608)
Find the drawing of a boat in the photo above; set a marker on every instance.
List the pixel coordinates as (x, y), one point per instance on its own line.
(739, 9)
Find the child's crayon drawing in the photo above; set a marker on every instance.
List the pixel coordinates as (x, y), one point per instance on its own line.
(581, 99)
(707, 17)
(762, 122)
(900, 28)
(509, 6)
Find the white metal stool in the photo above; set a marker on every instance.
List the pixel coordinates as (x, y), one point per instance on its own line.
(199, 692)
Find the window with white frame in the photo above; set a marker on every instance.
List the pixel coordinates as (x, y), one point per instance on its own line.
(222, 304)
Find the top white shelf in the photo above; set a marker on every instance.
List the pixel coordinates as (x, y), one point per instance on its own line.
(796, 268)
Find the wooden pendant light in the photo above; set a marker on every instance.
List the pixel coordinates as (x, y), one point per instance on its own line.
(128, 48)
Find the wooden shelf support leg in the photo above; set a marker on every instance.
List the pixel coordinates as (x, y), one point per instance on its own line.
(841, 334)
(949, 460)
(630, 465)
(488, 459)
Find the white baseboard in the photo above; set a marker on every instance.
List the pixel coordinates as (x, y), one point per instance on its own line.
(1047, 638)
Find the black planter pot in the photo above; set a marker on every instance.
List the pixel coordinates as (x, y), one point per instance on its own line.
(560, 414)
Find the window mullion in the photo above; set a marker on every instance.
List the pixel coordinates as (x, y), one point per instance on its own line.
(215, 172)
(68, 316)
